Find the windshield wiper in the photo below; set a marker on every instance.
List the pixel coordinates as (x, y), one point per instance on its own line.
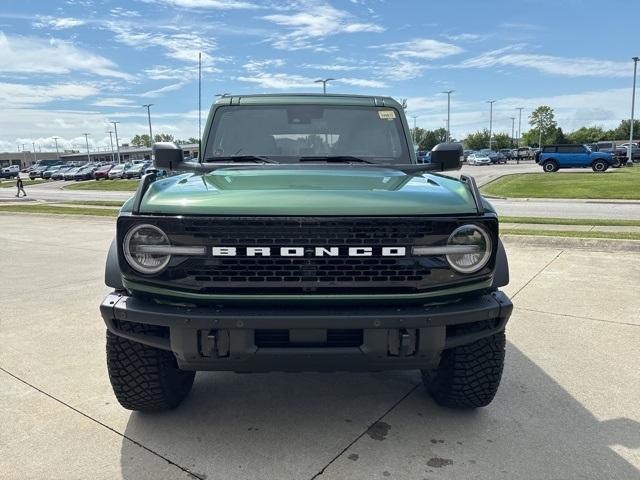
(240, 158)
(336, 158)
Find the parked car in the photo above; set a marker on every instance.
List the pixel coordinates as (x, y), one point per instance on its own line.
(136, 170)
(466, 153)
(11, 171)
(71, 173)
(554, 157)
(59, 174)
(85, 173)
(103, 172)
(506, 152)
(478, 158)
(524, 153)
(37, 172)
(118, 170)
(48, 173)
(494, 156)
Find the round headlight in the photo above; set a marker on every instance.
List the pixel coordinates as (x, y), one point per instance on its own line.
(474, 245)
(141, 249)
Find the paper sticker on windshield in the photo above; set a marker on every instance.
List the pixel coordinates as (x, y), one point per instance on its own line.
(387, 114)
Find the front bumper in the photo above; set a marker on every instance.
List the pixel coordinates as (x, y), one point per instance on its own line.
(228, 337)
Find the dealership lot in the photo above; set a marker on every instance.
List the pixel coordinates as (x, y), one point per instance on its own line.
(567, 407)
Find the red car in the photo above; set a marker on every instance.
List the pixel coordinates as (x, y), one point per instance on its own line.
(102, 172)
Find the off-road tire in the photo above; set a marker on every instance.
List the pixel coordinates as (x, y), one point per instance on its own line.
(599, 166)
(549, 166)
(468, 376)
(144, 378)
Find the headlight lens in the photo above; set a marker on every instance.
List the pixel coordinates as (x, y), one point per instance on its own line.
(476, 240)
(141, 249)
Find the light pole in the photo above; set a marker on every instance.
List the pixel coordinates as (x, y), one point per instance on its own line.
(148, 107)
(324, 82)
(115, 127)
(633, 105)
(24, 155)
(415, 129)
(110, 132)
(448, 92)
(513, 125)
(55, 139)
(519, 123)
(86, 139)
(490, 102)
(34, 151)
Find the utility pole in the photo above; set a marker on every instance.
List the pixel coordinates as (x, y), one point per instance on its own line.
(513, 124)
(110, 132)
(55, 139)
(115, 127)
(490, 102)
(86, 139)
(324, 82)
(448, 92)
(148, 107)
(633, 105)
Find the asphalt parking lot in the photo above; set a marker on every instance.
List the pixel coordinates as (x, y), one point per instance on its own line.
(567, 408)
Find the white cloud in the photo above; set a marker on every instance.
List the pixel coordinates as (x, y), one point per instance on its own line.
(313, 20)
(179, 46)
(35, 55)
(184, 73)
(333, 68)
(362, 82)
(114, 102)
(462, 37)
(18, 94)
(159, 91)
(58, 23)
(421, 49)
(513, 56)
(259, 65)
(213, 4)
(279, 81)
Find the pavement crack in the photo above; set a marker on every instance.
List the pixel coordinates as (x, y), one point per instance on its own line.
(578, 317)
(537, 274)
(321, 472)
(135, 442)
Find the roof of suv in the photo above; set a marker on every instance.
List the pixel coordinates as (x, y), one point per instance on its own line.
(308, 98)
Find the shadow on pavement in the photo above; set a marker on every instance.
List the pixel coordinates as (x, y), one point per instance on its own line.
(290, 426)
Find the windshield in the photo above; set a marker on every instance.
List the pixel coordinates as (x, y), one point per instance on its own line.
(290, 132)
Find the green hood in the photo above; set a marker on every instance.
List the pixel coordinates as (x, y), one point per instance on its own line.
(308, 191)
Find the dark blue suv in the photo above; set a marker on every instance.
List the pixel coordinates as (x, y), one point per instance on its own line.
(554, 157)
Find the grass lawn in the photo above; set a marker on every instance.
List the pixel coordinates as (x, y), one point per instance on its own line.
(571, 221)
(12, 183)
(621, 183)
(113, 185)
(565, 233)
(108, 203)
(48, 209)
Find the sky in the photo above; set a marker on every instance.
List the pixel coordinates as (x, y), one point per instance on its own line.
(70, 67)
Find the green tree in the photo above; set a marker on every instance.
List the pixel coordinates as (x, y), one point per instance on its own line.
(427, 139)
(544, 125)
(587, 135)
(477, 140)
(140, 141)
(621, 132)
(501, 140)
(163, 137)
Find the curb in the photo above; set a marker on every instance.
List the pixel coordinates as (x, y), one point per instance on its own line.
(593, 244)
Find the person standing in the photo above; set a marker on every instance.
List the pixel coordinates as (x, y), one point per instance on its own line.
(20, 187)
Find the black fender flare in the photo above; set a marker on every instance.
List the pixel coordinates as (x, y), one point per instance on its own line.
(112, 274)
(501, 273)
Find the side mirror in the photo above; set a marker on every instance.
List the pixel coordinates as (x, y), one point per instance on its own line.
(167, 156)
(446, 156)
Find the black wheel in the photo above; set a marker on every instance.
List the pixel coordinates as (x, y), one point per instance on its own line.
(617, 163)
(599, 166)
(468, 376)
(144, 378)
(550, 166)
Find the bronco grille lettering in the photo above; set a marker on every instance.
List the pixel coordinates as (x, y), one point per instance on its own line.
(309, 251)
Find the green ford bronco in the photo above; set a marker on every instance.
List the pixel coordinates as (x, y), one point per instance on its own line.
(307, 237)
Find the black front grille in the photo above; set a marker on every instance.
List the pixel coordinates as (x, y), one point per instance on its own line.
(309, 273)
(336, 338)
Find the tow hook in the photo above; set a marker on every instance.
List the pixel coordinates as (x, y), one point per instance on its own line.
(214, 343)
(402, 342)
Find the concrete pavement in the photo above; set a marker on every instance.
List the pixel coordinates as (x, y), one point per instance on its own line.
(567, 407)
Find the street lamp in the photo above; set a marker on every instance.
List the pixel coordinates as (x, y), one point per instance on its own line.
(55, 139)
(415, 129)
(115, 127)
(110, 132)
(490, 102)
(633, 105)
(34, 151)
(448, 92)
(519, 123)
(513, 124)
(324, 82)
(86, 139)
(148, 107)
